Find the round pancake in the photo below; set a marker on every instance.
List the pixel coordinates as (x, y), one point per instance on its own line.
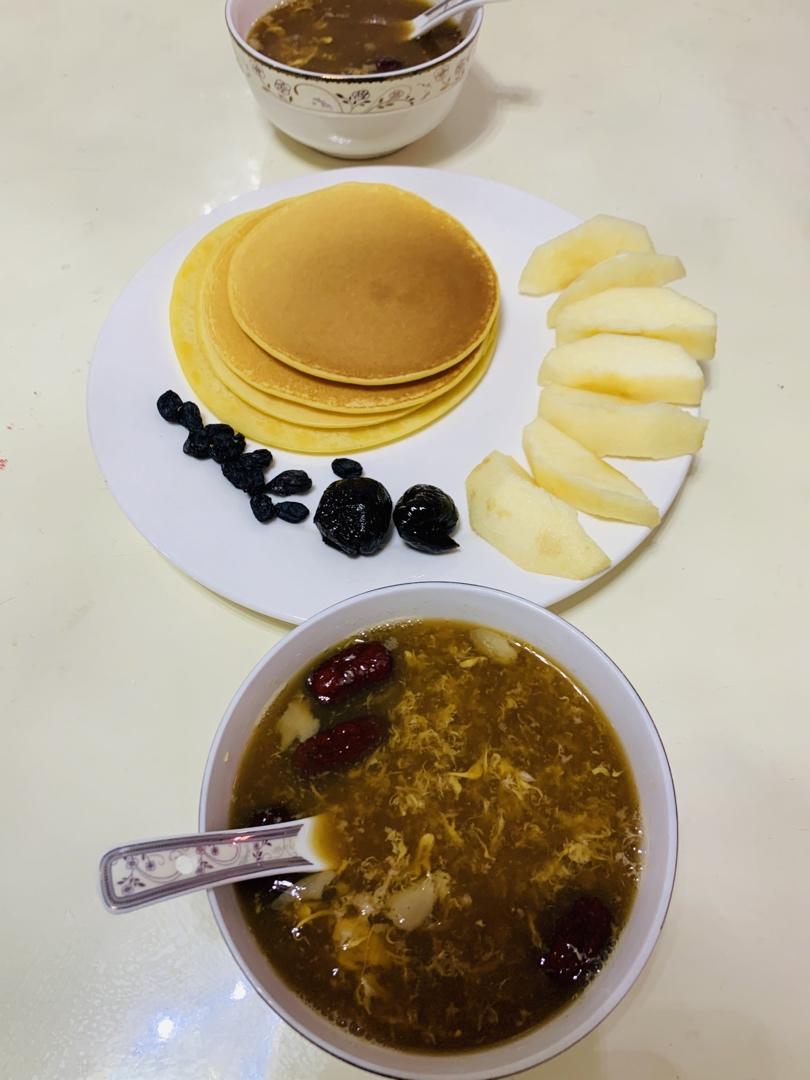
(363, 283)
(229, 408)
(291, 411)
(229, 346)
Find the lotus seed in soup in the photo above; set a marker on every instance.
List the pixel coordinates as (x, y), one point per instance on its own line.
(489, 830)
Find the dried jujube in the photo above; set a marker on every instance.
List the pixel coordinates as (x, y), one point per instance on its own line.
(340, 746)
(349, 671)
(579, 942)
(424, 517)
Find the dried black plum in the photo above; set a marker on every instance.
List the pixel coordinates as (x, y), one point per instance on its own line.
(354, 515)
(294, 512)
(189, 416)
(169, 405)
(263, 507)
(289, 482)
(579, 942)
(424, 517)
(197, 445)
(388, 63)
(226, 446)
(244, 474)
(345, 467)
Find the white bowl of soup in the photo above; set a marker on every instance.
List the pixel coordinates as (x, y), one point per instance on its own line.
(518, 791)
(349, 93)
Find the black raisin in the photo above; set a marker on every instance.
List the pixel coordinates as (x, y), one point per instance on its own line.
(226, 447)
(424, 517)
(289, 482)
(261, 458)
(197, 445)
(388, 63)
(292, 512)
(271, 815)
(263, 507)
(169, 405)
(354, 515)
(189, 416)
(218, 429)
(244, 475)
(345, 467)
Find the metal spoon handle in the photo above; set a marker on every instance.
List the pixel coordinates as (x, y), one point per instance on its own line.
(135, 875)
(441, 11)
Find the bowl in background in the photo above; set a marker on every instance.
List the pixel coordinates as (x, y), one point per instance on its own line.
(352, 116)
(599, 676)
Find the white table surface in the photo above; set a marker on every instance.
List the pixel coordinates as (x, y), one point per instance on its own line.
(119, 124)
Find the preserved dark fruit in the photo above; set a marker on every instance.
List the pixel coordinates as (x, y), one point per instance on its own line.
(260, 458)
(189, 416)
(169, 405)
(225, 445)
(263, 507)
(197, 445)
(349, 671)
(579, 942)
(271, 815)
(424, 517)
(345, 467)
(388, 63)
(354, 515)
(340, 746)
(293, 512)
(290, 482)
(245, 473)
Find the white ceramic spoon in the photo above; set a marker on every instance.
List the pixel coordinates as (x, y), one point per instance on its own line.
(135, 875)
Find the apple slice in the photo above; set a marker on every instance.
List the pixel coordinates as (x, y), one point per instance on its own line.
(568, 470)
(556, 263)
(613, 426)
(528, 525)
(644, 369)
(651, 312)
(626, 268)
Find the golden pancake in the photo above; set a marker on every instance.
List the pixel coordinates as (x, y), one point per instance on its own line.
(363, 283)
(228, 344)
(229, 408)
(290, 411)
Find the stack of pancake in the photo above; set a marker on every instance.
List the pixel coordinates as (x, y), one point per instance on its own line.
(335, 321)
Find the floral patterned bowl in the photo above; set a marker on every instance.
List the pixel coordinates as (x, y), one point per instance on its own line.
(352, 116)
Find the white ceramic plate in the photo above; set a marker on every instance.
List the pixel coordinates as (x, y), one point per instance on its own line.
(202, 524)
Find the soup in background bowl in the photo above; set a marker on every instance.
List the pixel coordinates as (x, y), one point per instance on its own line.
(544, 634)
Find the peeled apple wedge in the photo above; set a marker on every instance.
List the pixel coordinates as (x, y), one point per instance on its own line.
(527, 524)
(554, 265)
(644, 369)
(626, 268)
(613, 427)
(651, 312)
(568, 470)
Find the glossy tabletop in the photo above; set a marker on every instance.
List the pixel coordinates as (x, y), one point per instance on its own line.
(122, 123)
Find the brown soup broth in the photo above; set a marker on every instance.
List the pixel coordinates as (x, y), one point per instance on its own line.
(338, 37)
(502, 785)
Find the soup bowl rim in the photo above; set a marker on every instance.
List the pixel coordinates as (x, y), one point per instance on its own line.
(408, 1064)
